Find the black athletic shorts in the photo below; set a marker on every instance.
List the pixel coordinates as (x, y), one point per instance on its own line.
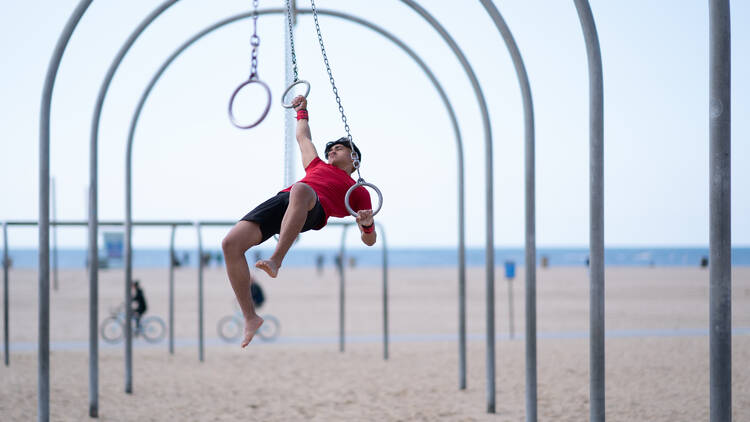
(269, 214)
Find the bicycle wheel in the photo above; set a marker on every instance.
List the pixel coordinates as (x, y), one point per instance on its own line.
(111, 330)
(270, 329)
(229, 328)
(153, 329)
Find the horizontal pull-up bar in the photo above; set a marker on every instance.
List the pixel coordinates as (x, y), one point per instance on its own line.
(153, 223)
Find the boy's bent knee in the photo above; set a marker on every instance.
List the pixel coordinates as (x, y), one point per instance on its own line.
(227, 244)
(301, 188)
(303, 192)
(231, 246)
(242, 237)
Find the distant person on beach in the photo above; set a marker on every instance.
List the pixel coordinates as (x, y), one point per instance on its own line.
(175, 261)
(303, 206)
(337, 261)
(206, 259)
(319, 259)
(139, 300)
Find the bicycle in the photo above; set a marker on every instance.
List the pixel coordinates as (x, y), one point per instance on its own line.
(112, 329)
(230, 327)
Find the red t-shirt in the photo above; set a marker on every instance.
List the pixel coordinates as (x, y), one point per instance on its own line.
(331, 184)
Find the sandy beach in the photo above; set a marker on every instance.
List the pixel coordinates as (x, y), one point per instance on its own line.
(657, 366)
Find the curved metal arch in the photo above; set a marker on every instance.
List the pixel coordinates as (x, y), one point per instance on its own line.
(596, 207)
(93, 188)
(44, 197)
(459, 144)
(489, 201)
(530, 208)
(596, 204)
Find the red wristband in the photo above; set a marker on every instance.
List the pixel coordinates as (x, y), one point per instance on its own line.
(302, 114)
(368, 229)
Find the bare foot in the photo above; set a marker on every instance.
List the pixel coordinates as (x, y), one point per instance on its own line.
(268, 266)
(251, 327)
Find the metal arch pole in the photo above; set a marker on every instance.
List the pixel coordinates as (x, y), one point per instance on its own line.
(93, 228)
(342, 286)
(114, 223)
(528, 108)
(54, 236)
(461, 251)
(596, 204)
(460, 172)
(44, 147)
(436, 84)
(171, 289)
(385, 292)
(490, 248)
(200, 293)
(6, 264)
(129, 172)
(720, 236)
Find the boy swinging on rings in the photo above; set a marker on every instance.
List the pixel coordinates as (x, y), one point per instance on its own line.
(303, 206)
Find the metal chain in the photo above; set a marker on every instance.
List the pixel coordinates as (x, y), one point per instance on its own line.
(355, 157)
(255, 42)
(291, 37)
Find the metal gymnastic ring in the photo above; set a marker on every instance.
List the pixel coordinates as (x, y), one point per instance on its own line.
(355, 186)
(234, 94)
(300, 81)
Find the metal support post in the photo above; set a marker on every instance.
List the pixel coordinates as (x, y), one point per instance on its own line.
(6, 265)
(385, 292)
(720, 204)
(54, 236)
(172, 258)
(596, 205)
(200, 292)
(342, 286)
(44, 148)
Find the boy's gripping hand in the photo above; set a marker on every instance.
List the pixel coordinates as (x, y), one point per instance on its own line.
(364, 217)
(365, 221)
(300, 103)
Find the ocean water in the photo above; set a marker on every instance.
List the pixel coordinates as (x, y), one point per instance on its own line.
(400, 257)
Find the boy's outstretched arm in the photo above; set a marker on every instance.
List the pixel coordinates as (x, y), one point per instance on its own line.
(304, 138)
(366, 225)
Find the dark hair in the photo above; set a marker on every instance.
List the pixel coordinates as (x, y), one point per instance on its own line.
(342, 141)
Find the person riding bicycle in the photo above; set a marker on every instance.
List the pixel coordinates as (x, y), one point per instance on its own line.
(257, 294)
(139, 300)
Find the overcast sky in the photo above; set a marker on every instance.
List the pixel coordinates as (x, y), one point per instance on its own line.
(191, 163)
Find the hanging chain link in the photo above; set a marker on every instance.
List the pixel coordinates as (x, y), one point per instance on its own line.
(255, 42)
(291, 37)
(355, 157)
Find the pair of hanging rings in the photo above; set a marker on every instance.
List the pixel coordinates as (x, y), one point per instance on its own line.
(254, 80)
